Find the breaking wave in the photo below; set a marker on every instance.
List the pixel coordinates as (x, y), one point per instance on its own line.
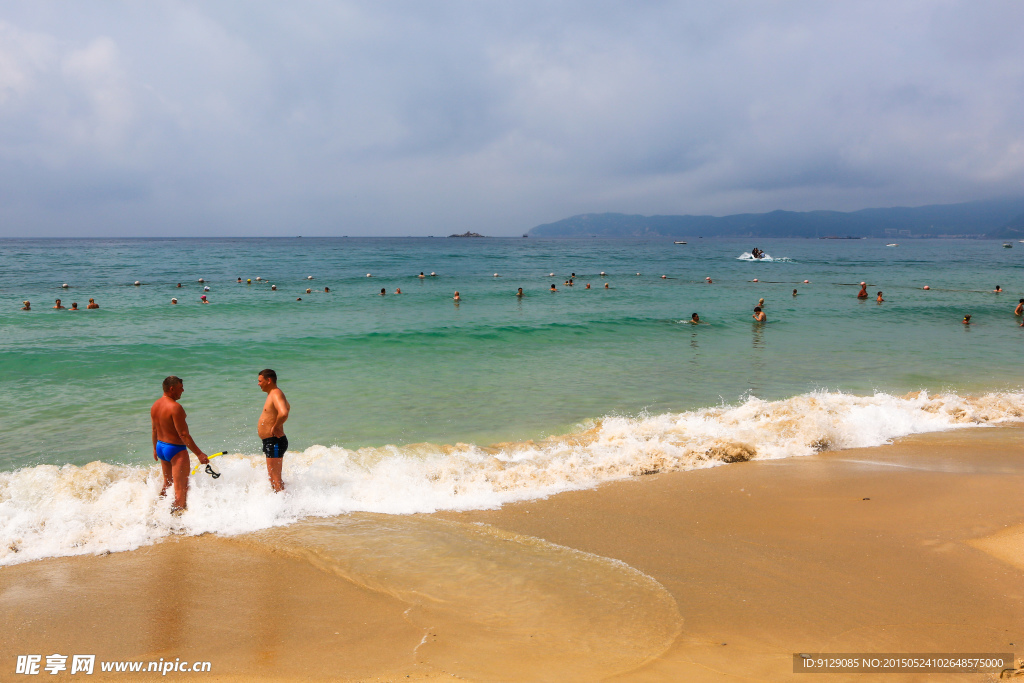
(51, 510)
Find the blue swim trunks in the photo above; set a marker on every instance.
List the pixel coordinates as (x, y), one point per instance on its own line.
(166, 451)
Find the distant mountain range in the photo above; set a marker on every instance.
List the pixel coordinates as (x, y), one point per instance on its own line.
(996, 219)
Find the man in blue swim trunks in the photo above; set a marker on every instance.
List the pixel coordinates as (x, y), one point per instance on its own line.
(271, 426)
(171, 441)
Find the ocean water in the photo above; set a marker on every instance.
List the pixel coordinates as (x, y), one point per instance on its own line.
(412, 403)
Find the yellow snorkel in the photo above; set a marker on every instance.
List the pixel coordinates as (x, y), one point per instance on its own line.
(211, 469)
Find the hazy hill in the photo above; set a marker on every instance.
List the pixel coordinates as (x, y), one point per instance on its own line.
(999, 218)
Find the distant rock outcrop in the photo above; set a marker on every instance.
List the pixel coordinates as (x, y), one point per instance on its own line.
(467, 234)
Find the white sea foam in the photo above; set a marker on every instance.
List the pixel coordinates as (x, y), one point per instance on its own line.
(54, 511)
(767, 258)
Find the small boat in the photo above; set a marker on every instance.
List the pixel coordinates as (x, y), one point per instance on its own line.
(894, 244)
(1007, 245)
(679, 242)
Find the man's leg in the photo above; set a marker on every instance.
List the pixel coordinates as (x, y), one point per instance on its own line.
(180, 466)
(274, 471)
(168, 476)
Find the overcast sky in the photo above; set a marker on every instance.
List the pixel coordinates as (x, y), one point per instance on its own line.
(429, 117)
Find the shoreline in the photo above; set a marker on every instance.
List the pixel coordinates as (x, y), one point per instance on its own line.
(907, 547)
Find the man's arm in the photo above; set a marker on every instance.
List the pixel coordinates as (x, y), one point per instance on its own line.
(282, 407)
(153, 421)
(182, 426)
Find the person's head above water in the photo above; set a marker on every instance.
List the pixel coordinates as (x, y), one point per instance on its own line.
(695, 318)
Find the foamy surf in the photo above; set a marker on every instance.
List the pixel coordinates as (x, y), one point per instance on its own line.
(48, 511)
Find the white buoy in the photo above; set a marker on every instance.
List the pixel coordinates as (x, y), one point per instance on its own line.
(137, 283)
(603, 273)
(258, 279)
(638, 273)
(551, 274)
(496, 275)
(309, 277)
(664, 277)
(806, 282)
(202, 280)
(432, 274)
(369, 275)
(754, 280)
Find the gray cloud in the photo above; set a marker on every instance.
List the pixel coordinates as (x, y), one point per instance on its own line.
(396, 118)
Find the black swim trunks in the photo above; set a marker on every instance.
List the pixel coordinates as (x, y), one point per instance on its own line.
(275, 446)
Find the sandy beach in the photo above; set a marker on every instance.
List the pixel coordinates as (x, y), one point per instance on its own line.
(715, 574)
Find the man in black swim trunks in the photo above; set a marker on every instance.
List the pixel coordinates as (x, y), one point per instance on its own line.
(271, 426)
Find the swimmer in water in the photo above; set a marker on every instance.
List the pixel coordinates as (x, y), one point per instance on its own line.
(309, 291)
(59, 307)
(997, 290)
(794, 292)
(383, 292)
(879, 299)
(519, 292)
(457, 297)
(74, 306)
(695, 319)
(203, 299)
(1020, 308)
(27, 305)
(606, 285)
(422, 276)
(863, 293)
(239, 280)
(553, 288)
(588, 285)
(93, 304)
(967, 320)
(174, 301)
(760, 302)
(179, 285)
(759, 315)
(327, 290)
(398, 290)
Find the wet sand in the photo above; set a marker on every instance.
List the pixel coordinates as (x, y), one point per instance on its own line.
(914, 547)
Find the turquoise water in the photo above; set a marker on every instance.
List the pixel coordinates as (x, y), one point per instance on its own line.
(365, 370)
